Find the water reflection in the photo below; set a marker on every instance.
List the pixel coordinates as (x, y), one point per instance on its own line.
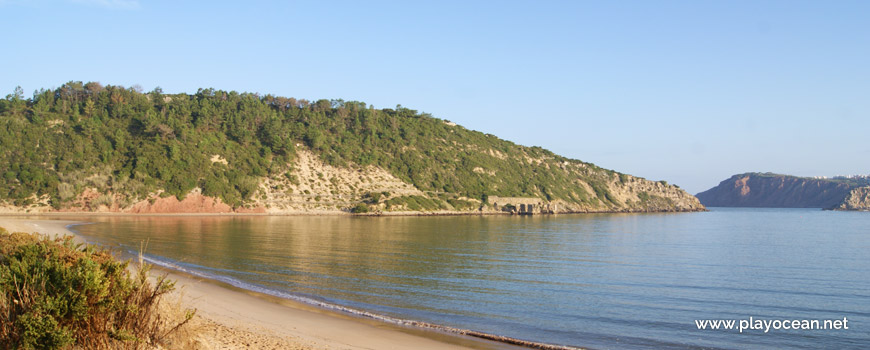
(590, 280)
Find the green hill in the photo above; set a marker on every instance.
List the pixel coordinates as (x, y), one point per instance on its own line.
(86, 146)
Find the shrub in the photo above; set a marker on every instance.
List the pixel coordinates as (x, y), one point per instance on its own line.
(373, 197)
(59, 294)
(293, 179)
(360, 208)
(105, 199)
(643, 197)
(459, 204)
(65, 191)
(415, 203)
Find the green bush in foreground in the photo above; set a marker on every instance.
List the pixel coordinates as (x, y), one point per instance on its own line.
(57, 294)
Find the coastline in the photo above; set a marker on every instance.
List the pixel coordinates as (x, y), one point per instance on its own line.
(5, 212)
(228, 317)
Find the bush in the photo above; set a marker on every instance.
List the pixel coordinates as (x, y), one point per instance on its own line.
(360, 208)
(459, 204)
(643, 197)
(59, 294)
(415, 203)
(105, 199)
(293, 178)
(372, 197)
(65, 191)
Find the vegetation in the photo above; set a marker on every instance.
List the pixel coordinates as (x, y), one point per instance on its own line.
(415, 203)
(373, 197)
(643, 196)
(459, 204)
(360, 208)
(132, 144)
(57, 294)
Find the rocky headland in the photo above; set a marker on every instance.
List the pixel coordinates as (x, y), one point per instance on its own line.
(785, 191)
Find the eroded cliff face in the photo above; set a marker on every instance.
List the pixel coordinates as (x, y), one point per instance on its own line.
(775, 191)
(857, 199)
(626, 193)
(314, 187)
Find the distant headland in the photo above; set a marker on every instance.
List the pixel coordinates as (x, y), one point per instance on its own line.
(786, 191)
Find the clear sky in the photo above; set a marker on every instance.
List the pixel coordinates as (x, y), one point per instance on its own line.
(685, 91)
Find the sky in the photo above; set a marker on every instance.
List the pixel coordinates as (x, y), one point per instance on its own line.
(690, 92)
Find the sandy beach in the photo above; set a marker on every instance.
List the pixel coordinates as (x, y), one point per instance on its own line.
(230, 318)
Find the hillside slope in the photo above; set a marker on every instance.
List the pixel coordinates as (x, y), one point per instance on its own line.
(777, 191)
(85, 147)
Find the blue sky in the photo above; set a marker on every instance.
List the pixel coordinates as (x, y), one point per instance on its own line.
(686, 91)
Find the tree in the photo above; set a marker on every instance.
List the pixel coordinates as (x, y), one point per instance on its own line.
(148, 143)
(17, 94)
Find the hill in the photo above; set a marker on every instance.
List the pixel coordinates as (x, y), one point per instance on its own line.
(86, 147)
(781, 191)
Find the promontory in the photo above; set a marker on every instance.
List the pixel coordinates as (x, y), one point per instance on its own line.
(85, 147)
(786, 191)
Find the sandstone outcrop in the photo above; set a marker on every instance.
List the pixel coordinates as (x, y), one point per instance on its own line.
(192, 203)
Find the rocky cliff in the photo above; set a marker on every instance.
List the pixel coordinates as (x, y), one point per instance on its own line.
(777, 191)
(316, 187)
(857, 199)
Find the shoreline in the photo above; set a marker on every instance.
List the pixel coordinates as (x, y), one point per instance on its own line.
(402, 325)
(235, 317)
(341, 213)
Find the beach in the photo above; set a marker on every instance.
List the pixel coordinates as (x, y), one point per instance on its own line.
(231, 318)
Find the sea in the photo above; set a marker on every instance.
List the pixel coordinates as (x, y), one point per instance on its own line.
(598, 281)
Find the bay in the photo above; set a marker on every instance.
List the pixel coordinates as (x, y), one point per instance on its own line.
(607, 281)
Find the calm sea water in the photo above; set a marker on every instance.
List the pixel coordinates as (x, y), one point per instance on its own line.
(615, 281)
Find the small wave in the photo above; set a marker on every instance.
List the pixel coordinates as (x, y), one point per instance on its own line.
(195, 270)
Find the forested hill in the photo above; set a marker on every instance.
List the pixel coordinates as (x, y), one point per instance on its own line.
(86, 147)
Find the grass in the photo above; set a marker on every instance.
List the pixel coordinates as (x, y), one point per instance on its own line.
(57, 294)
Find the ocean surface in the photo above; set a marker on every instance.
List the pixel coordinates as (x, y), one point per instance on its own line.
(608, 281)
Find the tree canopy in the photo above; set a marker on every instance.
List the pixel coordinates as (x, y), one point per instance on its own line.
(81, 135)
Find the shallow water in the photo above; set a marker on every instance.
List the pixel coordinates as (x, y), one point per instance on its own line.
(617, 281)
